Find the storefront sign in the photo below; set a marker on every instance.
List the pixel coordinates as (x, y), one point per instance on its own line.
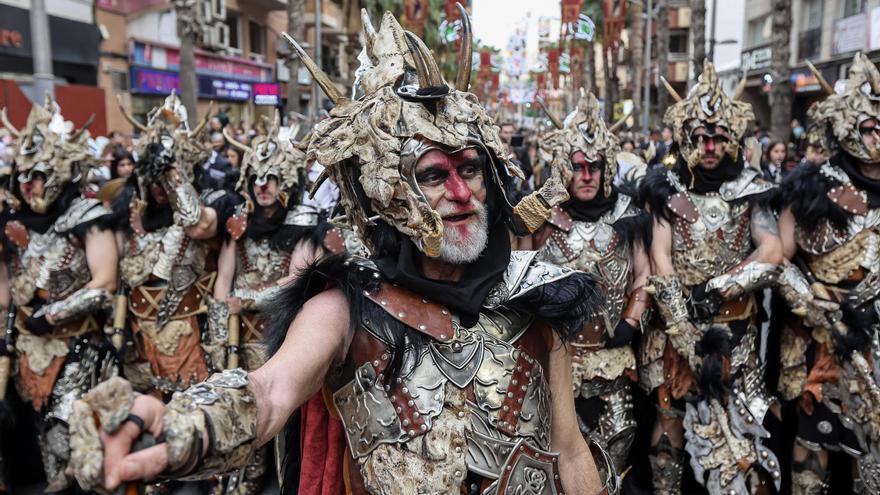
(209, 64)
(267, 94)
(224, 89)
(757, 58)
(153, 82)
(160, 82)
(75, 43)
(804, 81)
(850, 34)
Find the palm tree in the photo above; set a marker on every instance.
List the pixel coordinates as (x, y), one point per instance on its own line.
(662, 46)
(698, 34)
(295, 16)
(780, 90)
(188, 30)
(636, 45)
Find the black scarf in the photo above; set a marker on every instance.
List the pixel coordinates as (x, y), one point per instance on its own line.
(42, 222)
(871, 187)
(259, 225)
(706, 181)
(465, 297)
(591, 211)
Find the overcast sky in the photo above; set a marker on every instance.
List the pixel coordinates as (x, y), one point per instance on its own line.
(493, 20)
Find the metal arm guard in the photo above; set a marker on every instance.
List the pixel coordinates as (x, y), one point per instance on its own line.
(222, 410)
(669, 298)
(794, 287)
(746, 278)
(78, 304)
(185, 202)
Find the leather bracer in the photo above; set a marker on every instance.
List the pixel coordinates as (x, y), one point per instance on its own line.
(638, 308)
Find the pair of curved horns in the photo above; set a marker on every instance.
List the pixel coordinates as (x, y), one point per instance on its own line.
(426, 66)
(7, 124)
(553, 117)
(672, 92)
(319, 75)
(465, 52)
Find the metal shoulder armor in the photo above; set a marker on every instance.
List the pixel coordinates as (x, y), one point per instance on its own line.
(81, 210)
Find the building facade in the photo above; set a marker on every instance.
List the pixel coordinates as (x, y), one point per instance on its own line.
(826, 32)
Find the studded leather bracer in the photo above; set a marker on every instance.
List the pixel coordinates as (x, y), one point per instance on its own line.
(81, 303)
(222, 410)
(746, 278)
(670, 298)
(185, 202)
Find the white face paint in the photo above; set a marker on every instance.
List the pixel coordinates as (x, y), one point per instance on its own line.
(462, 247)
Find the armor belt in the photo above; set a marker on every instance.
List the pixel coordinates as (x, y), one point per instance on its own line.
(737, 309)
(144, 300)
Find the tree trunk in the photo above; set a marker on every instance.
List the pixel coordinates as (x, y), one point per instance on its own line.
(590, 68)
(188, 84)
(636, 45)
(295, 15)
(662, 55)
(698, 35)
(608, 55)
(780, 91)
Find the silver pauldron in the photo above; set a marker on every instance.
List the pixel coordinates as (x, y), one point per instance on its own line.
(186, 205)
(222, 410)
(78, 304)
(669, 298)
(751, 276)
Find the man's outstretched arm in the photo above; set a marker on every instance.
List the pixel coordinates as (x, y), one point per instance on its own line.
(317, 338)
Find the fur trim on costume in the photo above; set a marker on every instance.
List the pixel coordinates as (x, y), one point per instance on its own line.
(805, 191)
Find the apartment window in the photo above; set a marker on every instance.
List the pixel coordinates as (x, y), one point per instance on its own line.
(257, 38)
(813, 14)
(810, 39)
(118, 80)
(853, 7)
(233, 20)
(760, 31)
(678, 41)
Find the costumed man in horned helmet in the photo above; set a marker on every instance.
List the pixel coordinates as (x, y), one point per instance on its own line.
(271, 238)
(442, 353)
(714, 244)
(601, 231)
(830, 230)
(62, 274)
(163, 235)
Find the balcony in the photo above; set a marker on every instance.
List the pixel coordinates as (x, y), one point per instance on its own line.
(809, 44)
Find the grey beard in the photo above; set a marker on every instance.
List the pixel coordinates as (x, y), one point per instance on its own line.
(460, 251)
